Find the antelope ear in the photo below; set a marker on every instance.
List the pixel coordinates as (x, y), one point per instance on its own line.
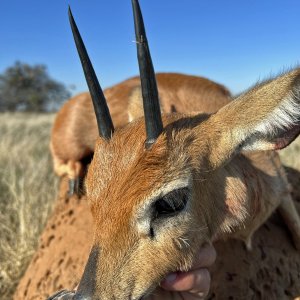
(266, 117)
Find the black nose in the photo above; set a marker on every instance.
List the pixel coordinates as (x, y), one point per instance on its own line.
(64, 295)
(67, 295)
(78, 296)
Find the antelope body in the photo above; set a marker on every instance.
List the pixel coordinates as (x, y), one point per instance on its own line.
(162, 186)
(75, 127)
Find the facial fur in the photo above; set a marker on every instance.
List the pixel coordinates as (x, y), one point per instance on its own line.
(160, 244)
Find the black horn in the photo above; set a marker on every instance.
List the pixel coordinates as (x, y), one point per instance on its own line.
(153, 120)
(105, 125)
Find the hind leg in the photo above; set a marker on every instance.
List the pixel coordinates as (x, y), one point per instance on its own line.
(75, 171)
(291, 217)
(60, 167)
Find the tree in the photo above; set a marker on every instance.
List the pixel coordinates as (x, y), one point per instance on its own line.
(30, 88)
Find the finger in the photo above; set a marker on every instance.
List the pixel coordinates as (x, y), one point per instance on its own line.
(196, 282)
(206, 257)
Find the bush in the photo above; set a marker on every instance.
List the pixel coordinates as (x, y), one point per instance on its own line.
(30, 88)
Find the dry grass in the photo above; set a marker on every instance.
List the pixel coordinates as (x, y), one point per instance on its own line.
(27, 191)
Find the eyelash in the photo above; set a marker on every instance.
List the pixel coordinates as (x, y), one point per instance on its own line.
(172, 203)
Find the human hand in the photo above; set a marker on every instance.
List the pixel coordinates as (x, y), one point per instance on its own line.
(192, 285)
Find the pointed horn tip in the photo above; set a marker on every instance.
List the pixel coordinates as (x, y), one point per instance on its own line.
(136, 8)
(138, 21)
(70, 12)
(71, 19)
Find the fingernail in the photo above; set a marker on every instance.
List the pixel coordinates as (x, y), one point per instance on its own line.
(170, 278)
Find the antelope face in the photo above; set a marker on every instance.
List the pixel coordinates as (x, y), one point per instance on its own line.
(143, 209)
(140, 201)
(154, 207)
(150, 210)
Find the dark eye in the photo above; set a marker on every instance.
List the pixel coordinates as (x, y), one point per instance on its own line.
(171, 203)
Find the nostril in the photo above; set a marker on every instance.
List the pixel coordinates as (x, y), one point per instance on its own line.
(62, 295)
(79, 296)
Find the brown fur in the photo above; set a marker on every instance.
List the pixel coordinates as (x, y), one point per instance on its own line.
(234, 184)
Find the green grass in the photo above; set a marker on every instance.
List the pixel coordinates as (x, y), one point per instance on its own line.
(27, 190)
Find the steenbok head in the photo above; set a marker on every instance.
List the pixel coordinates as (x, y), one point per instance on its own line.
(154, 186)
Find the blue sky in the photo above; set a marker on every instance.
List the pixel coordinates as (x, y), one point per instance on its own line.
(232, 42)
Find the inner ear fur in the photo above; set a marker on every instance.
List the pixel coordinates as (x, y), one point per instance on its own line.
(266, 117)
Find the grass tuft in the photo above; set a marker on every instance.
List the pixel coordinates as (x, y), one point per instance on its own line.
(27, 191)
